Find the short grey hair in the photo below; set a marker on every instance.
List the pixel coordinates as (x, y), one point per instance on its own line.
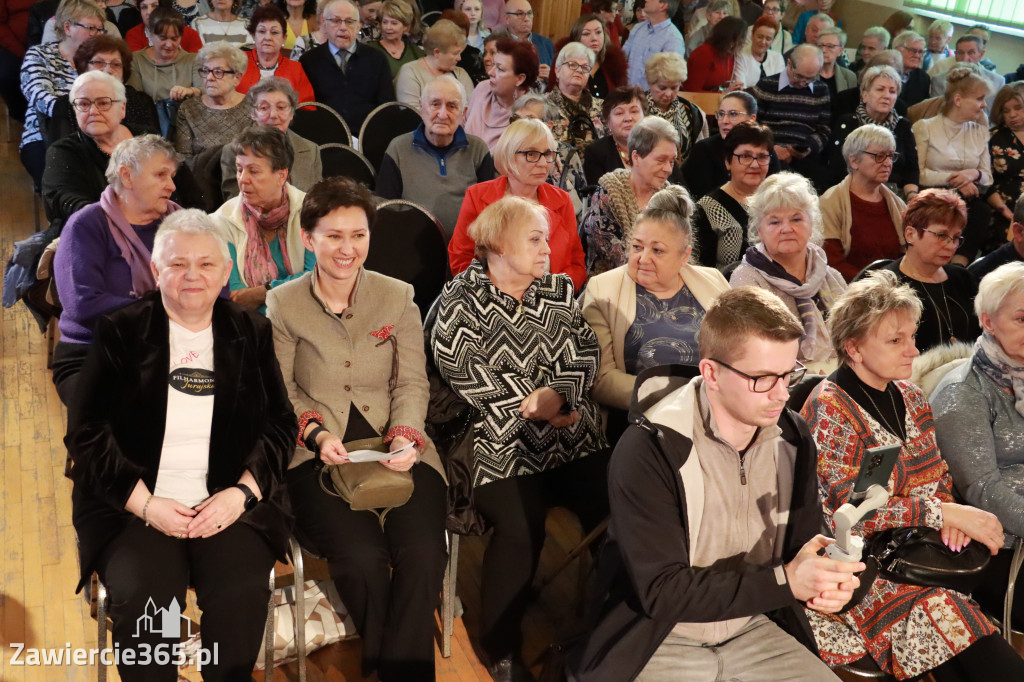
(806, 51)
(133, 154)
(648, 133)
(575, 50)
(822, 17)
(784, 191)
(941, 25)
(221, 49)
(873, 73)
(1004, 281)
(446, 79)
(865, 136)
(716, 5)
(907, 38)
(550, 114)
(864, 304)
(266, 142)
(834, 31)
(879, 32)
(188, 221)
(274, 84)
(115, 84)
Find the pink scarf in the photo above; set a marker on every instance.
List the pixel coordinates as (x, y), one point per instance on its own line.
(128, 243)
(260, 267)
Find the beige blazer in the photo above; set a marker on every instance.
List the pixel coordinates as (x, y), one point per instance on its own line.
(609, 305)
(837, 215)
(330, 363)
(229, 217)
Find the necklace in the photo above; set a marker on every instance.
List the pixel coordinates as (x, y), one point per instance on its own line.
(938, 313)
(899, 434)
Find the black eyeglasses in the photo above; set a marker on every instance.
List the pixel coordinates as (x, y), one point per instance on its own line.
(99, 64)
(519, 14)
(533, 156)
(82, 105)
(882, 157)
(93, 30)
(216, 73)
(766, 382)
(747, 159)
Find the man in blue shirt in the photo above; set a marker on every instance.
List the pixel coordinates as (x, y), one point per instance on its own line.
(650, 37)
(519, 20)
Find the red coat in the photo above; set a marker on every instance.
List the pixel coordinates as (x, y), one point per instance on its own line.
(14, 25)
(564, 238)
(286, 68)
(706, 69)
(136, 39)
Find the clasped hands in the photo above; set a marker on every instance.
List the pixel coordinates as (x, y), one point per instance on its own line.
(545, 405)
(209, 517)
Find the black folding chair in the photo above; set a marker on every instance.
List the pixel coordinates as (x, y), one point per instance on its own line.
(321, 124)
(384, 124)
(431, 18)
(342, 160)
(408, 243)
(874, 265)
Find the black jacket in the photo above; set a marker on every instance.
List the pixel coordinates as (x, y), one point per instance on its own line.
(365, 85)
(906, 171)
(651, 586)
(704, 169)
(917, 88)
(116, 425)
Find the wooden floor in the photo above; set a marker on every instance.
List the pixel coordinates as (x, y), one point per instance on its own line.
(38, 557)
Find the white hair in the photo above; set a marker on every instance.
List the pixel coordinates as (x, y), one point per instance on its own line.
(878, 32)
(996, 286)
(906, 38)
(575, 50)
(188, 221)
(115, 85)
(446, 79)
(133, 154)
(784, 191)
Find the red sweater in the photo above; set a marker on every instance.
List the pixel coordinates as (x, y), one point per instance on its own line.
(136, 39)
(707, 70)
(14, 25)
(564, 238)
(287, 69)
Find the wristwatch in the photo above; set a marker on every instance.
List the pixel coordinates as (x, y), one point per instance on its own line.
(250, 499)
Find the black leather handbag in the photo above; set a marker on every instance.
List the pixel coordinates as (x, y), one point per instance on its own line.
(916, 555)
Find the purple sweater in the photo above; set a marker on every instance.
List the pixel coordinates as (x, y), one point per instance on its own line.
(92, 277)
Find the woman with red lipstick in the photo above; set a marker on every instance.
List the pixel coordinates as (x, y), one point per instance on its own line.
(906, 630)
(262, 223)
(268, 27)
(721, 218)
(340, 332)
(788, 261)
(933, 228)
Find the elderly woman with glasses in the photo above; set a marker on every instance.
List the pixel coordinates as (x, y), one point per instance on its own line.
(607, 226)
(268, 26)
(610, 65)
(933, 227)
(720, 222)
(579, 122)
(274, 101)
(979, 419)
(863, 218)
(443, 43)
(180, 436)
(104, 252)
(212, 119)
(788, 261)
(262, 222)
(879, 90)
(523, 158)
(666, 72)
(112, 56)
(868, 402)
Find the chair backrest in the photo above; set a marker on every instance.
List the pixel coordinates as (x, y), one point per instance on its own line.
(208, 174)
(730, 268)
(874, 265)
(384, 124)
(340, 159)
(431, 18)
(799, 393)
(321, 124)
(408, 243)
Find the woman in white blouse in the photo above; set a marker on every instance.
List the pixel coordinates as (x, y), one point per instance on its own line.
(952, 151)
(758, 60)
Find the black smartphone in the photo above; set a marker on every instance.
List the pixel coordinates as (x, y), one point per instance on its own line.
(876, 468)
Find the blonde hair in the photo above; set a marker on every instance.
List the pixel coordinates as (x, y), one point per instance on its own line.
(665, 66)
(444, 35)
(399, 10)
(739, 314)
(864, 304)
(491, 230)
(962, 80)
(523, 133)
(72, 10)
(780, 192)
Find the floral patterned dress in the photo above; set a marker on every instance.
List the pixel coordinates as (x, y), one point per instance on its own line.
(906, 629)
(578, 123)
(1007, 165)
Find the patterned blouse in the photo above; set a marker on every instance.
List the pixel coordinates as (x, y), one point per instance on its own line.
(45, 76)
(578, 123)
(688, 120)
(494, 351)
(607, 226)
(906, 629)
(199, 127)
(720, 227)
(1007, 165)
(664, 331)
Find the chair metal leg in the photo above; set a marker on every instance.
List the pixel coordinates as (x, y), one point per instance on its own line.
(300, 617)
(1015, 564)
(101, 628)
(269, 634)
(448, 595)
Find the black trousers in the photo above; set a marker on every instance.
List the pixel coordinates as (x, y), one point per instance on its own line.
(978, 234)
(33, 158)
(990, 592)
(516, 508)
(145, 571)
(68, 359)
(987, 660)
(10, 85)
(390, 578)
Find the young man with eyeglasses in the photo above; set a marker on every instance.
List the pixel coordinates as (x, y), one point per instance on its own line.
(648, 38)
(347, 75)
(713, 543)
(916, 81)
(519, 21)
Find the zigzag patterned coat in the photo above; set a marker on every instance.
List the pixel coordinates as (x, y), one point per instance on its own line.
(494, 351)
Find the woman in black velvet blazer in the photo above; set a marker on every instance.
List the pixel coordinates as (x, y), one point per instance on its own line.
(118, 435)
